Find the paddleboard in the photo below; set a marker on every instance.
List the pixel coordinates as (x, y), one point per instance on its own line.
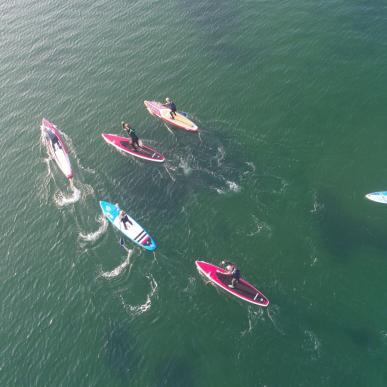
(124, 144)
(242, 290)
(56, 147)
(379, 197)
(180, 120)
(134, 231)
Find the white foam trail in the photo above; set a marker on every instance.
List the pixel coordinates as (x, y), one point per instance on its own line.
(119, 269)
(169, 173)
(317, 206)
(93, 236)
(251, 165)
(312, 344)
(183, 164)
(270, 313)
(233, 186)
(260, 226)
(220, 155)
(61, 200)
(136, 310)
(253, 315)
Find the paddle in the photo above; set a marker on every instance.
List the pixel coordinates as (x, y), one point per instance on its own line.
(122, 241)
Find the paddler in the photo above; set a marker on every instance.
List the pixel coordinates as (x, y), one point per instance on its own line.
(53, 138)
(132, 134)
(124, 219)
(232, 271)
(171, 105)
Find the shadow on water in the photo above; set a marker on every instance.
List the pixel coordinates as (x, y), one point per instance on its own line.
(120, 354)
(175, 372)
(343, 233)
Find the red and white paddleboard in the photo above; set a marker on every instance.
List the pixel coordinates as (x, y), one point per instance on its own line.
(56, 147)
(242, 290)
(180, 120)
(124, 144)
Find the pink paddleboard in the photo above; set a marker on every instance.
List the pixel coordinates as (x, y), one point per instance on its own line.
(242, 290)
(124, 144)
(56, 147)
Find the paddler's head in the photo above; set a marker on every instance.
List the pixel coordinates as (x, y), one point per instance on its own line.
(167, 100)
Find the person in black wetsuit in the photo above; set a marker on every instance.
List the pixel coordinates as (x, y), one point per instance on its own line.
(232, 271)
(171, 105)
(53, 138)
(132, 134)
(124, 219)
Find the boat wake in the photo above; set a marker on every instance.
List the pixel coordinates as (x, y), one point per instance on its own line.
(119, 269)
(311, 344)
(253, 315)
(136, 310)
(93, 236)
(272, 313)
(62, 200)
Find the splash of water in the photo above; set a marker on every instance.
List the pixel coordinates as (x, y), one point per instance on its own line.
(93, 236)
(119, 269)
(62, 200)
(253, 315)
(232, 186)
(183, 164)
(136, 310)
(220, 155)
(169, 173)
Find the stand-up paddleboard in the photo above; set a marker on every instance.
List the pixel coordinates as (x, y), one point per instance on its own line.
(242, 290)
(124, 144)
(180, 120)
(379, 197)
(56, 147)
(133, 230)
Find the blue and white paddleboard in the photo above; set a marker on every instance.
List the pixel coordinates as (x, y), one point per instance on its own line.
(133, 230)
(379, 197)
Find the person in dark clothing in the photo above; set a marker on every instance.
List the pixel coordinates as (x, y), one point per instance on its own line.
(231, 270)
(171, 105)
(124, 219)
(53, 138)
(132, 134)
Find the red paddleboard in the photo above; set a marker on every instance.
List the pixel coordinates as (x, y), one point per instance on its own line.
(180, 120)
(242, 290)
(124, 144)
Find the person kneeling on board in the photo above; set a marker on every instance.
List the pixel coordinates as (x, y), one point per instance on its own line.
(123, 216)
(171, 105)
(132, 134)
(52, 137)
(232, 270)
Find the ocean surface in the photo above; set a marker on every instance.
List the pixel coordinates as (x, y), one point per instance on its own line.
(290, 98)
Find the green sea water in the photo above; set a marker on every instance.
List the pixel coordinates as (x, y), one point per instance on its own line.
(290, 98)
